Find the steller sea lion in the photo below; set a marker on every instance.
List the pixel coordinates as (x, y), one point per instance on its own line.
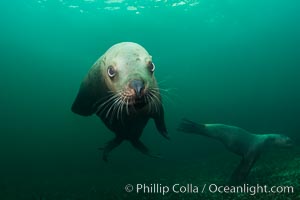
(121, 89)
(239, 141)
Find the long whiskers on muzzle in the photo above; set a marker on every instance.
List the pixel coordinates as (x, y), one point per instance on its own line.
(117, 105)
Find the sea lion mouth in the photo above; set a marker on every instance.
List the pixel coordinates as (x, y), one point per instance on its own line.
(141, 102)
(135, 100)
(127, 102)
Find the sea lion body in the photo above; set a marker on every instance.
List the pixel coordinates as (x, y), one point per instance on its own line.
(121, 89)
(239, 141)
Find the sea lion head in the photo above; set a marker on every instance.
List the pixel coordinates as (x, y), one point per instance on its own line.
(280, 140)
(283, 141)
(128, 72)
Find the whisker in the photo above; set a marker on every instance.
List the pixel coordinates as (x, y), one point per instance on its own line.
(155, 95)
(153, 101)
(166, 95)
(120, 104)
(127, 111)
(116, 105)
(105, 104)
(160, 82)
(168, 91)
(111, 107)
(118, 109)
(164, 89)
(148, 103)
(99, 101)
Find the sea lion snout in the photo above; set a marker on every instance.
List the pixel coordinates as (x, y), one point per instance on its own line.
(282, 141)
(288, 142)
(138, 86)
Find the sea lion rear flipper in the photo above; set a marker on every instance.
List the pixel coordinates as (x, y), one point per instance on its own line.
(241, 172)
(110, 146)
(189, 126)
(160, 124)
(142, 148)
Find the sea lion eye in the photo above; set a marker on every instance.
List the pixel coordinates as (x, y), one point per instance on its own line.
(111, 71)
(151, 66)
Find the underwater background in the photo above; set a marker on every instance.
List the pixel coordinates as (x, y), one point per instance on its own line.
(221, 61)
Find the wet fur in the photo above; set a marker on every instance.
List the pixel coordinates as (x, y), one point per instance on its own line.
(239, 141)
(98, 96)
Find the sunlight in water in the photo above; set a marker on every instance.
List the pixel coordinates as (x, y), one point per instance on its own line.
(115, 5)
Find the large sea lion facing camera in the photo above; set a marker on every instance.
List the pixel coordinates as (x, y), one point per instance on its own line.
(121, 89)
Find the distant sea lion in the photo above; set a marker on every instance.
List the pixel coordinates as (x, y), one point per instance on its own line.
(121, 89)
(239, 141)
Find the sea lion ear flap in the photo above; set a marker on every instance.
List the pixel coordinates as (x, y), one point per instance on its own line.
(91, 91)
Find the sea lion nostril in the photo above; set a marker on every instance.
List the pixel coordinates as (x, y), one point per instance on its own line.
(138, 87)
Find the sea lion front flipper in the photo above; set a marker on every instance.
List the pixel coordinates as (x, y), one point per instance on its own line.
(160, 124)
(110, 146)
(241, 172)
(142, 148)
(91, 91)
(189, 126)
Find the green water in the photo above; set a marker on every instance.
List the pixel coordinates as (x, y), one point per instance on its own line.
(223, 61)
